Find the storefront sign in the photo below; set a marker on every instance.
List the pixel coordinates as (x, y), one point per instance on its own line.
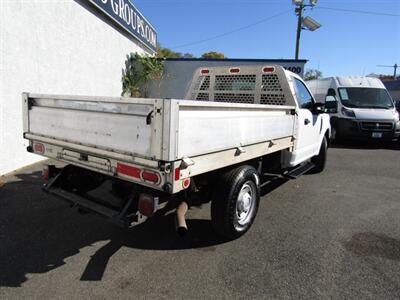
(294, 68)
(126, 15)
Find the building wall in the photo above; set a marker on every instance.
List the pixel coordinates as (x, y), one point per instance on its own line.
(53, 47)
(393, 86)
(395, 94)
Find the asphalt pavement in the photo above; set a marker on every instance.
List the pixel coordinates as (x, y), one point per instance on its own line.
(332, 235)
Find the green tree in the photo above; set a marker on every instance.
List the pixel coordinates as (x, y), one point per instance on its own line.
(168, 53)
(213, 54)
(139, 70)
(312, 74)
(188, 55)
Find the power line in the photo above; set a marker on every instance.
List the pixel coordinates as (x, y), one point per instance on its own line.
(277, 15)
(232, 31)
(395, 66)
(359, 11)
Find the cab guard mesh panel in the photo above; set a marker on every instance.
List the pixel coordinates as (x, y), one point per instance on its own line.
(251, 86)
(235, 98)
(270, 83)
(203, 97)
(202, 83)
(235, 82)
(273, 99)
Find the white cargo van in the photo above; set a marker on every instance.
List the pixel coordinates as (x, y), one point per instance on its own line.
(360, 107)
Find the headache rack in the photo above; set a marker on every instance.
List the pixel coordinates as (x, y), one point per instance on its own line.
(245, 84)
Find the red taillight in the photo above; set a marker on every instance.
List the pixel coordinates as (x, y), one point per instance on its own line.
(46, 172)
(150, 176)
(186, 183)
(39, 148)
(135, 172)
(128, 170)
(177, 174)
(234, 70)
(146, 205)
(205, 72)
(269, 69)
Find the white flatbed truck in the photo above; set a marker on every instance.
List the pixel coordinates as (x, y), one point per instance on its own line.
(159, 153)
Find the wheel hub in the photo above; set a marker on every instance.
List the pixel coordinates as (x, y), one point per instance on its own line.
(244, 204)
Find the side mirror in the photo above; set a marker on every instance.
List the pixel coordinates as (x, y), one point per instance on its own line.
(331, 105)
(318, 108)
(331, 92)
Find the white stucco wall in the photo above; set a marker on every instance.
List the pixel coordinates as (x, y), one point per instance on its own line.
(52, 47)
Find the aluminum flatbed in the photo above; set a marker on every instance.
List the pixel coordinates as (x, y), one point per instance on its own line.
(154, 133)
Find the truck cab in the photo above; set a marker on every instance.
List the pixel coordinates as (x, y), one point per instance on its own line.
(359, 107)
(311, 122)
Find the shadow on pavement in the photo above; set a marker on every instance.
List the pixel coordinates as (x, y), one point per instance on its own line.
(156, 234)
(38, 232)
(366, 145)
(270, 183)
(372, 244)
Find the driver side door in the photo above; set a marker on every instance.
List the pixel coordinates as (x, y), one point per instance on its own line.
(308, 126)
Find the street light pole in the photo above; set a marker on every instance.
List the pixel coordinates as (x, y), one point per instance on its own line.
(299, 11)
(304, 23)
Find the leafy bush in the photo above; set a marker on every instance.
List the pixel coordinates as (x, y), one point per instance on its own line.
(139, 71)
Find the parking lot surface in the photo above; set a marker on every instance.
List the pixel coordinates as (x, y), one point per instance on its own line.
(332, 235)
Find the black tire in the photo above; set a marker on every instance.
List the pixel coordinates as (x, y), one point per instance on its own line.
(242, 181)
(320, 160)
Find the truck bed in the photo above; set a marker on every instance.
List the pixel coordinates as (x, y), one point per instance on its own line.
(149, 131)
(135, 126)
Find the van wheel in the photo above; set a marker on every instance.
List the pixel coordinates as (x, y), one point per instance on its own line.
(320, 159)
(235, 202)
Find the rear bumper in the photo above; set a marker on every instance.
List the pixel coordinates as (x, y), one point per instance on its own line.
(89, 192)
(365, 129)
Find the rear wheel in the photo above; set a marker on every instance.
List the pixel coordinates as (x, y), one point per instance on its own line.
(320, 160)
(235, 202)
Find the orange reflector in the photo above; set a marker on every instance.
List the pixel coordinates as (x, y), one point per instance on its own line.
(39, 148)
(269, 69)
(128, 170)
(150, 176)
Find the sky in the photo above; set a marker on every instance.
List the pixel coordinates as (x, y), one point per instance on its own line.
(348, 43)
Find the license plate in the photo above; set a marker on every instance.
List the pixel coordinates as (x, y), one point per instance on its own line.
(377, 135)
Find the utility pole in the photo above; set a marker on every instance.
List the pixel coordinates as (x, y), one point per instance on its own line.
(299, 12)
(395, 66)
(303, 23)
